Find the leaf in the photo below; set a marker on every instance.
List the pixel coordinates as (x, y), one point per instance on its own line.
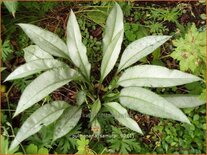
(154, 76)
(96, 127)
(147, 102)
(43, 151)
(43, 85)
(80, 98)
(98, 16)
(76, 49)
(95, 109)
(11, 6)
(2, 69)
(184, 101)
(41, 117)
(120, 114)
(111, 55)
(139, 49)
(33, 67)
(46, 40)
(112, 40)
(31, 149)
(67, 121)
(114, 25)
(83, 146)
(33, 52)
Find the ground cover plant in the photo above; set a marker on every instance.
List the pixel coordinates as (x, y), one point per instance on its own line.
(99, 89)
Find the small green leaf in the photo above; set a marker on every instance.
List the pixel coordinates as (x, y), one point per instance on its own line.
(43, 151)
(95, 109)
(80, 97)
(31, 149)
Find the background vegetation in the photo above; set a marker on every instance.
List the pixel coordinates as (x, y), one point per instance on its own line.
(185, 21)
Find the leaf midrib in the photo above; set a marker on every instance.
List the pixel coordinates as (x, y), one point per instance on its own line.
(143, 78)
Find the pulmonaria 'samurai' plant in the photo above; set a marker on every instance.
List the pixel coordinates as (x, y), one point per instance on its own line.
(57, 73)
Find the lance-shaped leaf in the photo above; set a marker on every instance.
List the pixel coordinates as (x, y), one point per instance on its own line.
(139, 49)
(147, 102)
(111, 55)
(44, 116)
(121, 114)
(184, 101)
(67, 121)
(11, 6)
(114, 25)
(33, 52)
(154, 76)
(76, 49)
(46, 40)
(112, 40)
(95, 109)
(33, 67)
(43, 85)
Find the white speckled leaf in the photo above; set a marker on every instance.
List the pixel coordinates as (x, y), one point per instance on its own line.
(76, 49)
(33, 52)
(154, 76)
(67, 121)
(112, 40)
(184, 101)
(139, 49)
(33, 67)
(46, 40)
(43, 85)
(147, 102)
(114, 25)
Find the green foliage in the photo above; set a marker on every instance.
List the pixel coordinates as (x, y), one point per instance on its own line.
(190, 51)
(122, 143)
(134, 31)
(170, 15)
(7, 50)
(5, 147)
(83, 146)
(182, 138)
(33, 149)
(68, 143)
(39, 7)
